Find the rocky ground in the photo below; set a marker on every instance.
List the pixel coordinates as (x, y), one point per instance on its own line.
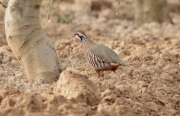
(149, 87)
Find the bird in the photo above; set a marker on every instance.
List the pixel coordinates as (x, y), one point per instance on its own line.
(99, 57)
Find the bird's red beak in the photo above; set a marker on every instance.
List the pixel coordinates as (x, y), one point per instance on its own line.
(74, 35)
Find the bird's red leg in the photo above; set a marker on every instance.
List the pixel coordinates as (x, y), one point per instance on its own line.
(103, 74)
(98, 72)
(99, 75)
(114, 70)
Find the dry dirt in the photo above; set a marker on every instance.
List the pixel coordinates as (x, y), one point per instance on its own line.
(149, 87)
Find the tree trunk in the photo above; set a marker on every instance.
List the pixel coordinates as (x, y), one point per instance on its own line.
(29, 43)
(151, 11)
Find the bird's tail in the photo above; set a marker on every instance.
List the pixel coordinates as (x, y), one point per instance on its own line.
(124, 63)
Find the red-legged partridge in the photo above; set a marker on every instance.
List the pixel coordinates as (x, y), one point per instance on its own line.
(100, 57)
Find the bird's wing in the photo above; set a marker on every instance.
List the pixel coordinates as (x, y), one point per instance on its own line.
(100, 52)
(106, 54)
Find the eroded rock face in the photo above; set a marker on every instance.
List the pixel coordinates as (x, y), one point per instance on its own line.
(78, 87)
(11, 112)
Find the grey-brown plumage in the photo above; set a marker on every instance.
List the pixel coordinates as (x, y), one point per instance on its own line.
(100, 57)
(106, 54)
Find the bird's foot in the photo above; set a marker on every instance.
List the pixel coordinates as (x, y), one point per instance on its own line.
(100, 74)
(114, 71)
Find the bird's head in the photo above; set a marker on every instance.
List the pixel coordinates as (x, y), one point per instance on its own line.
(80, 35)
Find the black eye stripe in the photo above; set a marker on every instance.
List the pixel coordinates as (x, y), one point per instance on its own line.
(81, 36)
